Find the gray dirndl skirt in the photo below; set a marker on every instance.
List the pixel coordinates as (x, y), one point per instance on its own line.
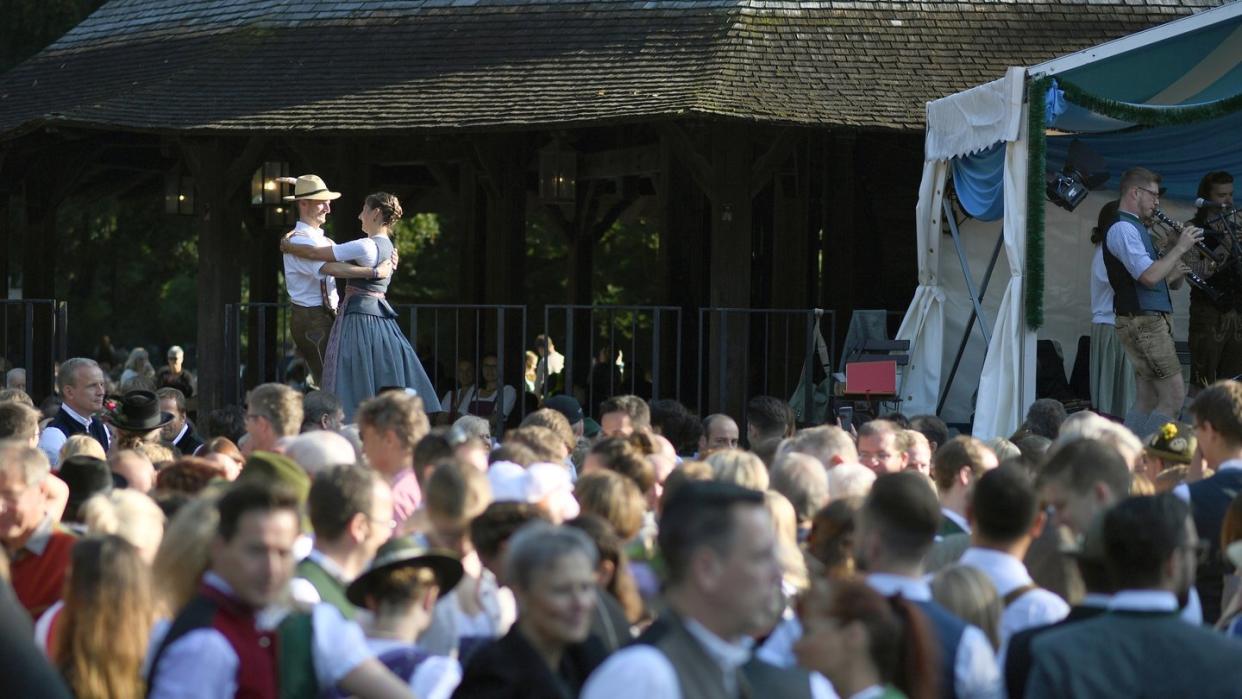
(1112, 375)
(367, 352)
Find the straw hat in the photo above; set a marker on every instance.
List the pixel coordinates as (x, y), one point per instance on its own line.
(311, 187)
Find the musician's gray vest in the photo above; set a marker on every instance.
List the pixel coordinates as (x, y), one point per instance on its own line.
(700, 676)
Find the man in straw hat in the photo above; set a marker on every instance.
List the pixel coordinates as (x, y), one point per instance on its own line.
(312, 284)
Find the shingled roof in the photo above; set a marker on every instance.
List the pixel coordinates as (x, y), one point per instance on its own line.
(174, 65)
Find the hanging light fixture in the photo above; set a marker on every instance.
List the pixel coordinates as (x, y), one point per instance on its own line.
(265, 192)
(558, 174)
(178, 194)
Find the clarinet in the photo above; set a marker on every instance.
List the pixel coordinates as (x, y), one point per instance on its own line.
(1195, 280)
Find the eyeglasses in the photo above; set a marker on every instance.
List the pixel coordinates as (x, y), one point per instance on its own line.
(1155, 194)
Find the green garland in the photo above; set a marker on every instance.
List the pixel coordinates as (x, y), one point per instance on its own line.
(1037, 145)
(1147, 115)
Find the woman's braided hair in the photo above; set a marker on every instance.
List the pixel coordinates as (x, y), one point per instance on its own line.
(387, 205)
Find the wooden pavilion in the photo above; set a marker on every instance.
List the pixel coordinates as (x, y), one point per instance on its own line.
(779, 141)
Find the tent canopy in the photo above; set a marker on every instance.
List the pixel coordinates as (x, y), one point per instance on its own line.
(979, 138)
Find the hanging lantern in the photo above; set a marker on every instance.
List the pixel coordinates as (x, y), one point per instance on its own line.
(558, 174)
(264, 189)
(178, 194)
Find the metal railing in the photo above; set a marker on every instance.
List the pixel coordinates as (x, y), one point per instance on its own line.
(469, 333)
(729, 338)
(628, 349)
(260, 347)
(650, 351)
(35, 338)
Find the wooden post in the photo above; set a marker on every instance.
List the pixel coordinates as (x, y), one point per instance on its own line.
(840, 241)
(222, 170)
(730, 267)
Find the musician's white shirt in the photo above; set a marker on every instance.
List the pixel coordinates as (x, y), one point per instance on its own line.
(1126, 243)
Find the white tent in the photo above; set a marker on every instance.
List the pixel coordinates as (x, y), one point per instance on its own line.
(996, 379)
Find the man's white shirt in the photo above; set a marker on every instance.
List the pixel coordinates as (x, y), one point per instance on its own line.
(303, 277)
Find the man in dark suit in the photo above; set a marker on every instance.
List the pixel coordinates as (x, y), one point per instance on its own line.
(1080, 480)
(1140, 648)
(1218, 429)
(179, 432)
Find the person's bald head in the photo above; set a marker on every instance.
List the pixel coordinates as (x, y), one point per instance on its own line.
(719, 432)
(320, 449)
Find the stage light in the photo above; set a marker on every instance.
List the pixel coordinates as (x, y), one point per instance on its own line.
(1084, 171)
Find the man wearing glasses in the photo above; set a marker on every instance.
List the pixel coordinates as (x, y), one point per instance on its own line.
(1217, 412)
(1140, 279)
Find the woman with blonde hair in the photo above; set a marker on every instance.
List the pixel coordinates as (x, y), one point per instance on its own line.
(125, 513)
(128, 514)
(971, 597)
(367, 350)
(82, 445)
(138, 365)
(184, 553)
(794, 578)
(740, 467)
(106, 624)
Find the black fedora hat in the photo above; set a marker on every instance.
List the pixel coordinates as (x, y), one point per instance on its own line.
(85, 476)
(139, 411)
(403, 552)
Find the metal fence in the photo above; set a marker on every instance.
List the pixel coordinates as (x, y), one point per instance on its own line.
(610, 350)
(454, 342)
(744, 352)
(260, 348)
(714, 363)
(35, 338)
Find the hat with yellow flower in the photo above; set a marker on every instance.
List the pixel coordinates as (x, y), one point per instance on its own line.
(1174, 442)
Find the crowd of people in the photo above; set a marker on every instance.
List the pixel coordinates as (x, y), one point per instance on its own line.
(284, 549)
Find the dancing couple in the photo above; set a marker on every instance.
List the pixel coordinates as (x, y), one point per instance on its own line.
(361, 348)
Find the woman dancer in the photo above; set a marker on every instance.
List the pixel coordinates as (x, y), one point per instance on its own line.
(366, 350)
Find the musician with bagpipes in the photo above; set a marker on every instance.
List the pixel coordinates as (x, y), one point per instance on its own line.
(1140, 277)
(1216, 310)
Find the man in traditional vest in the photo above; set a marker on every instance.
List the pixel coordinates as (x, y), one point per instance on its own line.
(351, 512)
(1140, 278)
(722, 576)
(232, 641)
(1217, 414)
(82, 390)
(896, 528)
(216, 641)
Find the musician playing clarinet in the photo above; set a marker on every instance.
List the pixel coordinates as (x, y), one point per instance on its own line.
(1216, 325)
(1140, 278)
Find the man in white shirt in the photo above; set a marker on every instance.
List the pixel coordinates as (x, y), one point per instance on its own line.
(895, 529)
(956, 466)
(723, 573)
(82, 392)
(312, 292)
(350, 510)
(1005, 517)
